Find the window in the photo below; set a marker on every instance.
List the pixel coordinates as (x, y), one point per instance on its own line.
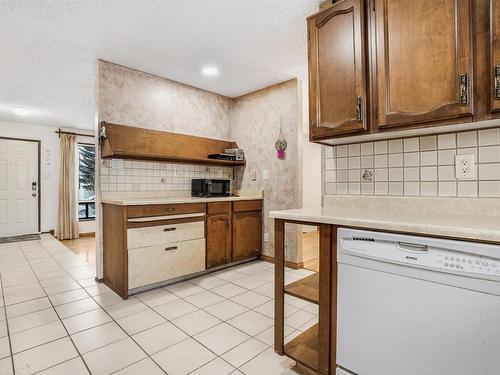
(86, 181)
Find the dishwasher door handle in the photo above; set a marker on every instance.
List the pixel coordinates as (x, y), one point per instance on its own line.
(412, 247)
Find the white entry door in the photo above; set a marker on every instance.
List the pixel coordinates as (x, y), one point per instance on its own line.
(18, 187)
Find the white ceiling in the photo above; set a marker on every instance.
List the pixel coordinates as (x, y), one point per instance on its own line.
(48, 49)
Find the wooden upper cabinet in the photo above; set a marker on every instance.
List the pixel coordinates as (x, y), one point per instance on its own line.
(337, 82)
(424, 61)
(495, 55)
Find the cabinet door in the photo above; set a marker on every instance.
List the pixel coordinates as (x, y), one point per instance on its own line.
(495, 54)
(337, 82)
(247, 234)
(218, 240)
(424, 61)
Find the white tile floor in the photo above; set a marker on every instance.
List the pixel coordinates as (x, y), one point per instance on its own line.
(55, 319)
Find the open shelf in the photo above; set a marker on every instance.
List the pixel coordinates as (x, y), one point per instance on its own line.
(306, 288)
(304, 348)
(128, 142)
(175, 159)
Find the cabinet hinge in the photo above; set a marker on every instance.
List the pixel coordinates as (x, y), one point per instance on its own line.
(497, 82)
(359, 112)
(464, 89)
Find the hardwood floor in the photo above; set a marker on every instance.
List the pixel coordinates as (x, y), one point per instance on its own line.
(310, 250)
(84, 247)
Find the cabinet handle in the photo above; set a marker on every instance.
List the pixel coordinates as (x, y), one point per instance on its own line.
(227, 223)
(169, 229)
(171, 248)
(497, 82)
(464, 89)
(359, 114)
(170, 209)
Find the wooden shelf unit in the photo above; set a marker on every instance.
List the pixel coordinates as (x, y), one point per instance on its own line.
(306, 288)
(304, 348)
(129, 142)
(315, 349)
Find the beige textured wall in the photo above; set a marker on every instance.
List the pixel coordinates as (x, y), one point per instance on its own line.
(255, 124)
(131, 97)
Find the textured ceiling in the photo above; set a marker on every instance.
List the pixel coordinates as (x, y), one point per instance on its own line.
(49, 49)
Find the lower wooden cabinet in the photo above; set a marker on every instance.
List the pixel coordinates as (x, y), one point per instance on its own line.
(152, 244)
(218, 240)
(233, 232)
(247, 234)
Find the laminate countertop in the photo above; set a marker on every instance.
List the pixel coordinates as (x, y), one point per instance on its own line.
(475, 225)
(176, 200)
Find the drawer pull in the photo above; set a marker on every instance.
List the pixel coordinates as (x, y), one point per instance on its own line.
(170, 209)
(171, 248)
(169, 229)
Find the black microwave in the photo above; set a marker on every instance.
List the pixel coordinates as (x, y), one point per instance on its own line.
(205, 187)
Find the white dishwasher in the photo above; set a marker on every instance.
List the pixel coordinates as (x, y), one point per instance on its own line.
(411, 305)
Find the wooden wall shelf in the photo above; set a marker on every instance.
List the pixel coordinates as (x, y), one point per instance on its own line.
(128, 142)
(304, 348)
(306, 288)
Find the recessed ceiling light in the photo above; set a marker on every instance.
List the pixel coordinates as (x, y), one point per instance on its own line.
(21, 111)
(210, 71)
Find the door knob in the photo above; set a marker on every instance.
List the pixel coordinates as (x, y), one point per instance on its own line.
(33, 194)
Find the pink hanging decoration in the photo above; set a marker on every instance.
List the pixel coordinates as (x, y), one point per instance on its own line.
(281, 154)
(281, 144)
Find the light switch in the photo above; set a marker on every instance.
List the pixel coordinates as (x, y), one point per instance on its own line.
(265, 174)
(254, 176)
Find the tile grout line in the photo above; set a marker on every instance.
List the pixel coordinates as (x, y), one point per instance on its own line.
(7, 326)
(198, 309)
(224, 321)
(202, 309)
(53, 307)
(112, 319)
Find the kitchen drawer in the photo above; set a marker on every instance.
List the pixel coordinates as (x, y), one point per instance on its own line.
(244, 206)
(164, 209)
(141, 266)
(162, 234)
(219, 208)
(154, 264)
(188, 258)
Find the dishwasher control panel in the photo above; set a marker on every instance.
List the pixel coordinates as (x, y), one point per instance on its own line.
(421, 255)
(466, 262)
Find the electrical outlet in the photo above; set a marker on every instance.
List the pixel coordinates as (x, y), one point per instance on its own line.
(465, 168)
(117, 163)
(254, 176)
(265, 174)
(178, 172)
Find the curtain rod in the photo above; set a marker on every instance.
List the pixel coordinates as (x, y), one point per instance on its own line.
(59, 131)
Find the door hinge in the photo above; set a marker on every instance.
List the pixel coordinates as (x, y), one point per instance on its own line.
(359, 112)
(497, 82)
(464, 89)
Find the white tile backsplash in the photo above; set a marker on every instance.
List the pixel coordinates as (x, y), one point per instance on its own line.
(132, 175)
(417, 166)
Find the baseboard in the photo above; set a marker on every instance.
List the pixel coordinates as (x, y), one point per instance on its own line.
(289, 264)
(88, 234)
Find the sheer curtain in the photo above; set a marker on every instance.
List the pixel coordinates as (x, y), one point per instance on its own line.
(67, 222)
